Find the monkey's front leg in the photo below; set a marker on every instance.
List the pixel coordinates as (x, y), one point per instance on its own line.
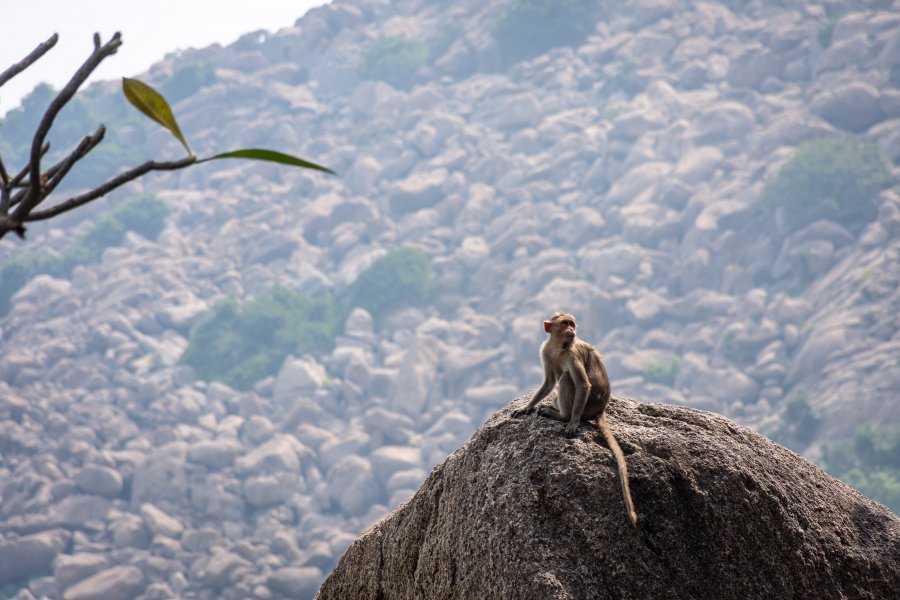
(542, 393)
(561, 409)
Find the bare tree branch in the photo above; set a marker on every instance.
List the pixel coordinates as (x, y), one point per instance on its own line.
(51, 178)
(32, 186)
(107, 187)
(84, 147)
(17, 182)
(29, 60)
(7, 201)
(7, 225)
(33, 197)
(4, 195)
(56, 173)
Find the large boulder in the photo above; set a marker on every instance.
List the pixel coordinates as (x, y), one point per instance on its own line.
(852, 106)
(31, 555)
(116, 583)
(99, 480)
(69, 569)
(162, 476)
(522, 512)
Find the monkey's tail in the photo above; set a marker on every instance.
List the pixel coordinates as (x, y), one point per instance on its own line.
(623, 470)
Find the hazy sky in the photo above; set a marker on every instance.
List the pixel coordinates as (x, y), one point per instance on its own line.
(149, 31)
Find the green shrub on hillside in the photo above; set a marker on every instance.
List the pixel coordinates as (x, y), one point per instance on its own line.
(18, 125)
(143, 214)
(878, 446)
(241, 344)
(394, 60)
(881, 485)
(799, 423)
(870, 462)
(828, 178)
(662, 372)
(397, 279)
(527, 28)
(78, 117)
(19, 270)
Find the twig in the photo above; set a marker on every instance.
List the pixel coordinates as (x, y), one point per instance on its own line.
(17, 181)
(57, 172)
(8, 224)
(50, 178)
(94, 139)
(109, 186)
(4, 201)
(33, 198)
(29, 60)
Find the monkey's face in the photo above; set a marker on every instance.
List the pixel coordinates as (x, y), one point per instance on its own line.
(562, 328)
(566, 329)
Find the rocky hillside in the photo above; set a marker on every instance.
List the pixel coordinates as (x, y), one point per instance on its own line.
(522, 512)
(642, 176)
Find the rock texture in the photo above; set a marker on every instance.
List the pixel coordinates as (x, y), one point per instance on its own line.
(617, 179)
(724, 513)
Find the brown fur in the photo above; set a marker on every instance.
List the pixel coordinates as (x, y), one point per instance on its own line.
(583, 389)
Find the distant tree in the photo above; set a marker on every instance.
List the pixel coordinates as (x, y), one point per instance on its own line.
(81, 114)
(870, 462)
(239, 344)
(143, 214)
(827, 178)
(662, 372)
(23, 193)
(399, 278)
(799, 422)
(395, 60)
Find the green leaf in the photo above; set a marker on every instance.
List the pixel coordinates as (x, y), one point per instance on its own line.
(270, 156)
(151, 103)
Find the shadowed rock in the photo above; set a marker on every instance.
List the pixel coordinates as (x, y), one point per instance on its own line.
(31, 555)
(522, 512)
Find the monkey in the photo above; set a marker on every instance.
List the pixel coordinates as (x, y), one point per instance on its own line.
(583, 389)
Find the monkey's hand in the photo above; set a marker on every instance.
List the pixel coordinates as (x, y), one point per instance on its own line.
(522, 411)
(571, 430)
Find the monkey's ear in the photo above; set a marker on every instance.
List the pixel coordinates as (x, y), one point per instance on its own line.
(548, 325)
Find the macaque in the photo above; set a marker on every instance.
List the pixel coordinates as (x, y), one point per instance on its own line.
(583, 389)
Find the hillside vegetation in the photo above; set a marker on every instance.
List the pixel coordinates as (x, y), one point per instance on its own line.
(217, 406)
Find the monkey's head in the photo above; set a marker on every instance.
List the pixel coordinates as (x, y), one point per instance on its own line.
(561, 326)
